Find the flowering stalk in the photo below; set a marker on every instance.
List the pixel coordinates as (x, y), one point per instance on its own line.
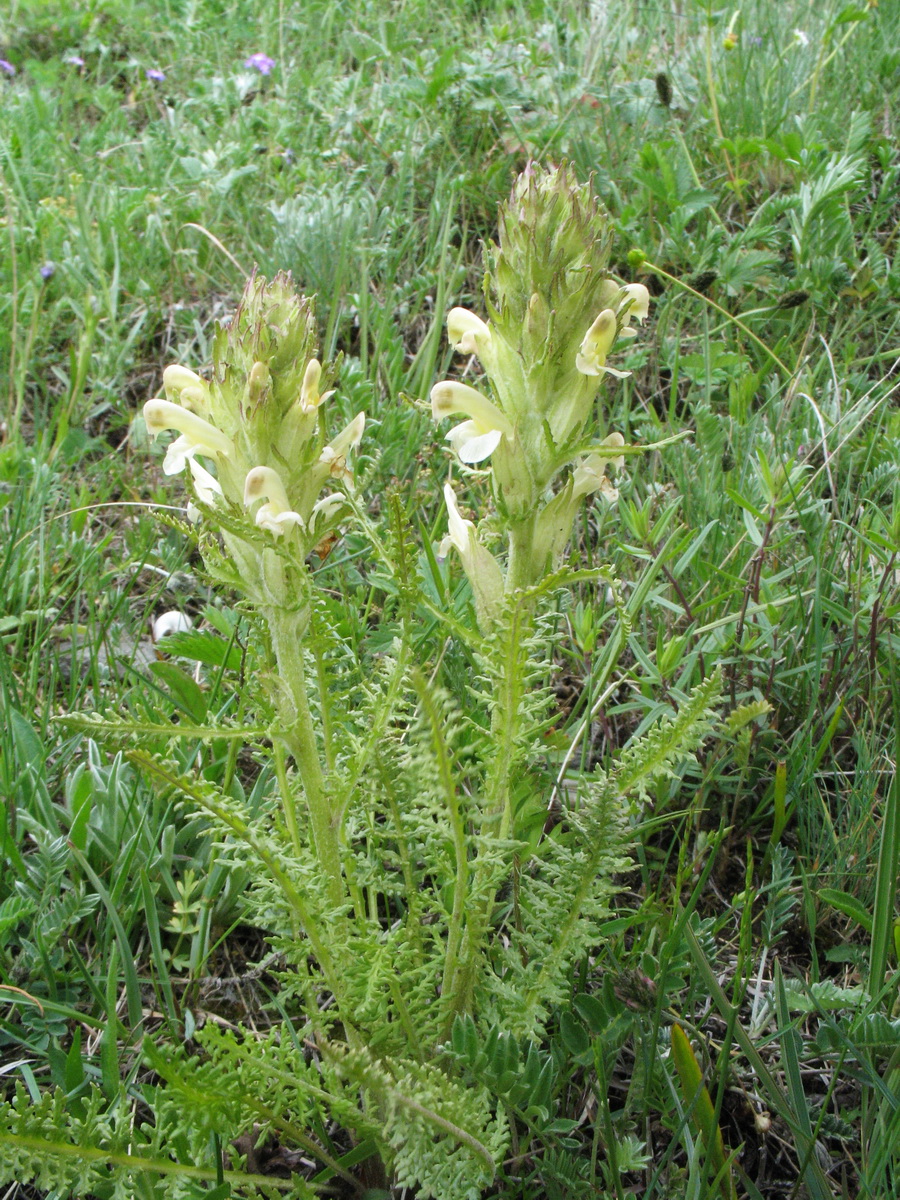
(258, 422)
(554, 319)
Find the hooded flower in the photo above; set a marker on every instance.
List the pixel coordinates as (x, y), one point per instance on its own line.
(467, 332)
(597, 343)
(334, 455)
(206, 486)
(206, 489)
(590, 476)
(475, 440)
(479, 564)
(197, 436)
(554, 524)
(176, 378)
(635, 303)
(275, 515)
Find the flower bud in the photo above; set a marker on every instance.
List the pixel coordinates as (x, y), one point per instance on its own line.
(309, 392)
(257, 382)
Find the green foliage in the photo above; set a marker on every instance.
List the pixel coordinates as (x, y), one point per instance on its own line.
(759, 171)
(97, 1150)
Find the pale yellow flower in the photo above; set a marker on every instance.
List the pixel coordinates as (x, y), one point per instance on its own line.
(334, 455)
(275, 515)
(590, 475)
(197, 435)
(206, 489)
(480, 566)
(467, 332)
(597, 343)
(474, 440)
(309, 392)
(635, 303)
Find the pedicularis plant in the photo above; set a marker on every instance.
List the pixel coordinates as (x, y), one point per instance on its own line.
(405, 867)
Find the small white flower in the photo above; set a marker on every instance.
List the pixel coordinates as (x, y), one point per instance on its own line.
(459, 530)
(635, 303)
(197, 436)
(475, 440)
(170, 622)
(467, 332)
(206, 488)
(276, 515)
(597, 343)
(327, 506)
(801, 38)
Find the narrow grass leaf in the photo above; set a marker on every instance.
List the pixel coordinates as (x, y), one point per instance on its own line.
(699, 1104)
(882, 920)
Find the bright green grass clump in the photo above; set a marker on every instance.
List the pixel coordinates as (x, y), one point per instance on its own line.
(151, 154)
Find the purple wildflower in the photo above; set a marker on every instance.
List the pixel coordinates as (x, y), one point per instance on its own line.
(6, 67)
(155, 74)
(261, 63)
(755, 40)
(74, 60)
(48, 270)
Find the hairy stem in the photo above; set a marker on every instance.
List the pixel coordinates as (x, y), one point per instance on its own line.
(299, 736)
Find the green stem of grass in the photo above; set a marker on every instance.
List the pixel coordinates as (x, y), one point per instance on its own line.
(724, 311)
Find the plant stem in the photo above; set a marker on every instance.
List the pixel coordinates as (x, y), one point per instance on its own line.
(299, 736)
(521, 573)
(521, 570)
(284, 784)
(498, 814)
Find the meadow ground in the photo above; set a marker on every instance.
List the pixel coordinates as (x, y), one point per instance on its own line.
(151, 155)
